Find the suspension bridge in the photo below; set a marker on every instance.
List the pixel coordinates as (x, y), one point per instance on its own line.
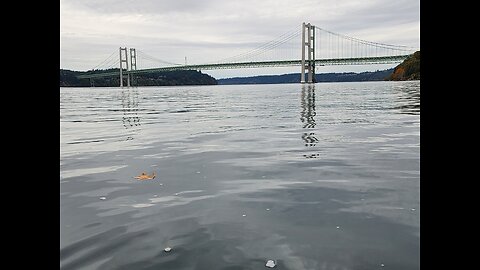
(319, 47)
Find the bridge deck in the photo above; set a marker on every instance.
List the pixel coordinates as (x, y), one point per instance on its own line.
(284, 63)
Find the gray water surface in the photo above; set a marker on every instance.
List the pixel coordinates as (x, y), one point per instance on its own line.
(313, 177)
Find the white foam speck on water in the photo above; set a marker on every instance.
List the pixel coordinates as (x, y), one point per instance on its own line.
(270, 264)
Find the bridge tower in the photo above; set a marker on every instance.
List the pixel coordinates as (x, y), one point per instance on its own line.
(126, 66)
(310, 45)
(133, 61)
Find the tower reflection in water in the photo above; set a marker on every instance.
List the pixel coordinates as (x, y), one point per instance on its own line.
(130, 117)
(308, 116)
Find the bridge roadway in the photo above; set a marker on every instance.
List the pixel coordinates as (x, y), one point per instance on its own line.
(283, 63)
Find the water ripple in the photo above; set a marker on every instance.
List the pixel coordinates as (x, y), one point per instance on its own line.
(322, 176)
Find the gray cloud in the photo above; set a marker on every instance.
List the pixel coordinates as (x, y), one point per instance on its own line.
(140, 6)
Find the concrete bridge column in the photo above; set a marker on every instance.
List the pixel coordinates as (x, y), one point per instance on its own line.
(310, 44)
(133, 62)
(302, 74)
(126, 66)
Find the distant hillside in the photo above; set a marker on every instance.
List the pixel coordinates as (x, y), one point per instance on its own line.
(322, 77)
(68, 78)
(408, 70)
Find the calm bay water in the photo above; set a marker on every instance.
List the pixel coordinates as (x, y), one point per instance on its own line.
(313, 177)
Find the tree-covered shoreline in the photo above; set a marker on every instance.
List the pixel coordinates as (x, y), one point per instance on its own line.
(408, 70)
(69, 78)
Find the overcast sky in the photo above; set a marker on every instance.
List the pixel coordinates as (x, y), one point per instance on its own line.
(207, 30)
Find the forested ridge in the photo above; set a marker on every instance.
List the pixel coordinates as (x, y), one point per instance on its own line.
(68, 78)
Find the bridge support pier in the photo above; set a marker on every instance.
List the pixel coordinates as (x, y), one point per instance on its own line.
(126, 66)
(310, 44)
(133, 62)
